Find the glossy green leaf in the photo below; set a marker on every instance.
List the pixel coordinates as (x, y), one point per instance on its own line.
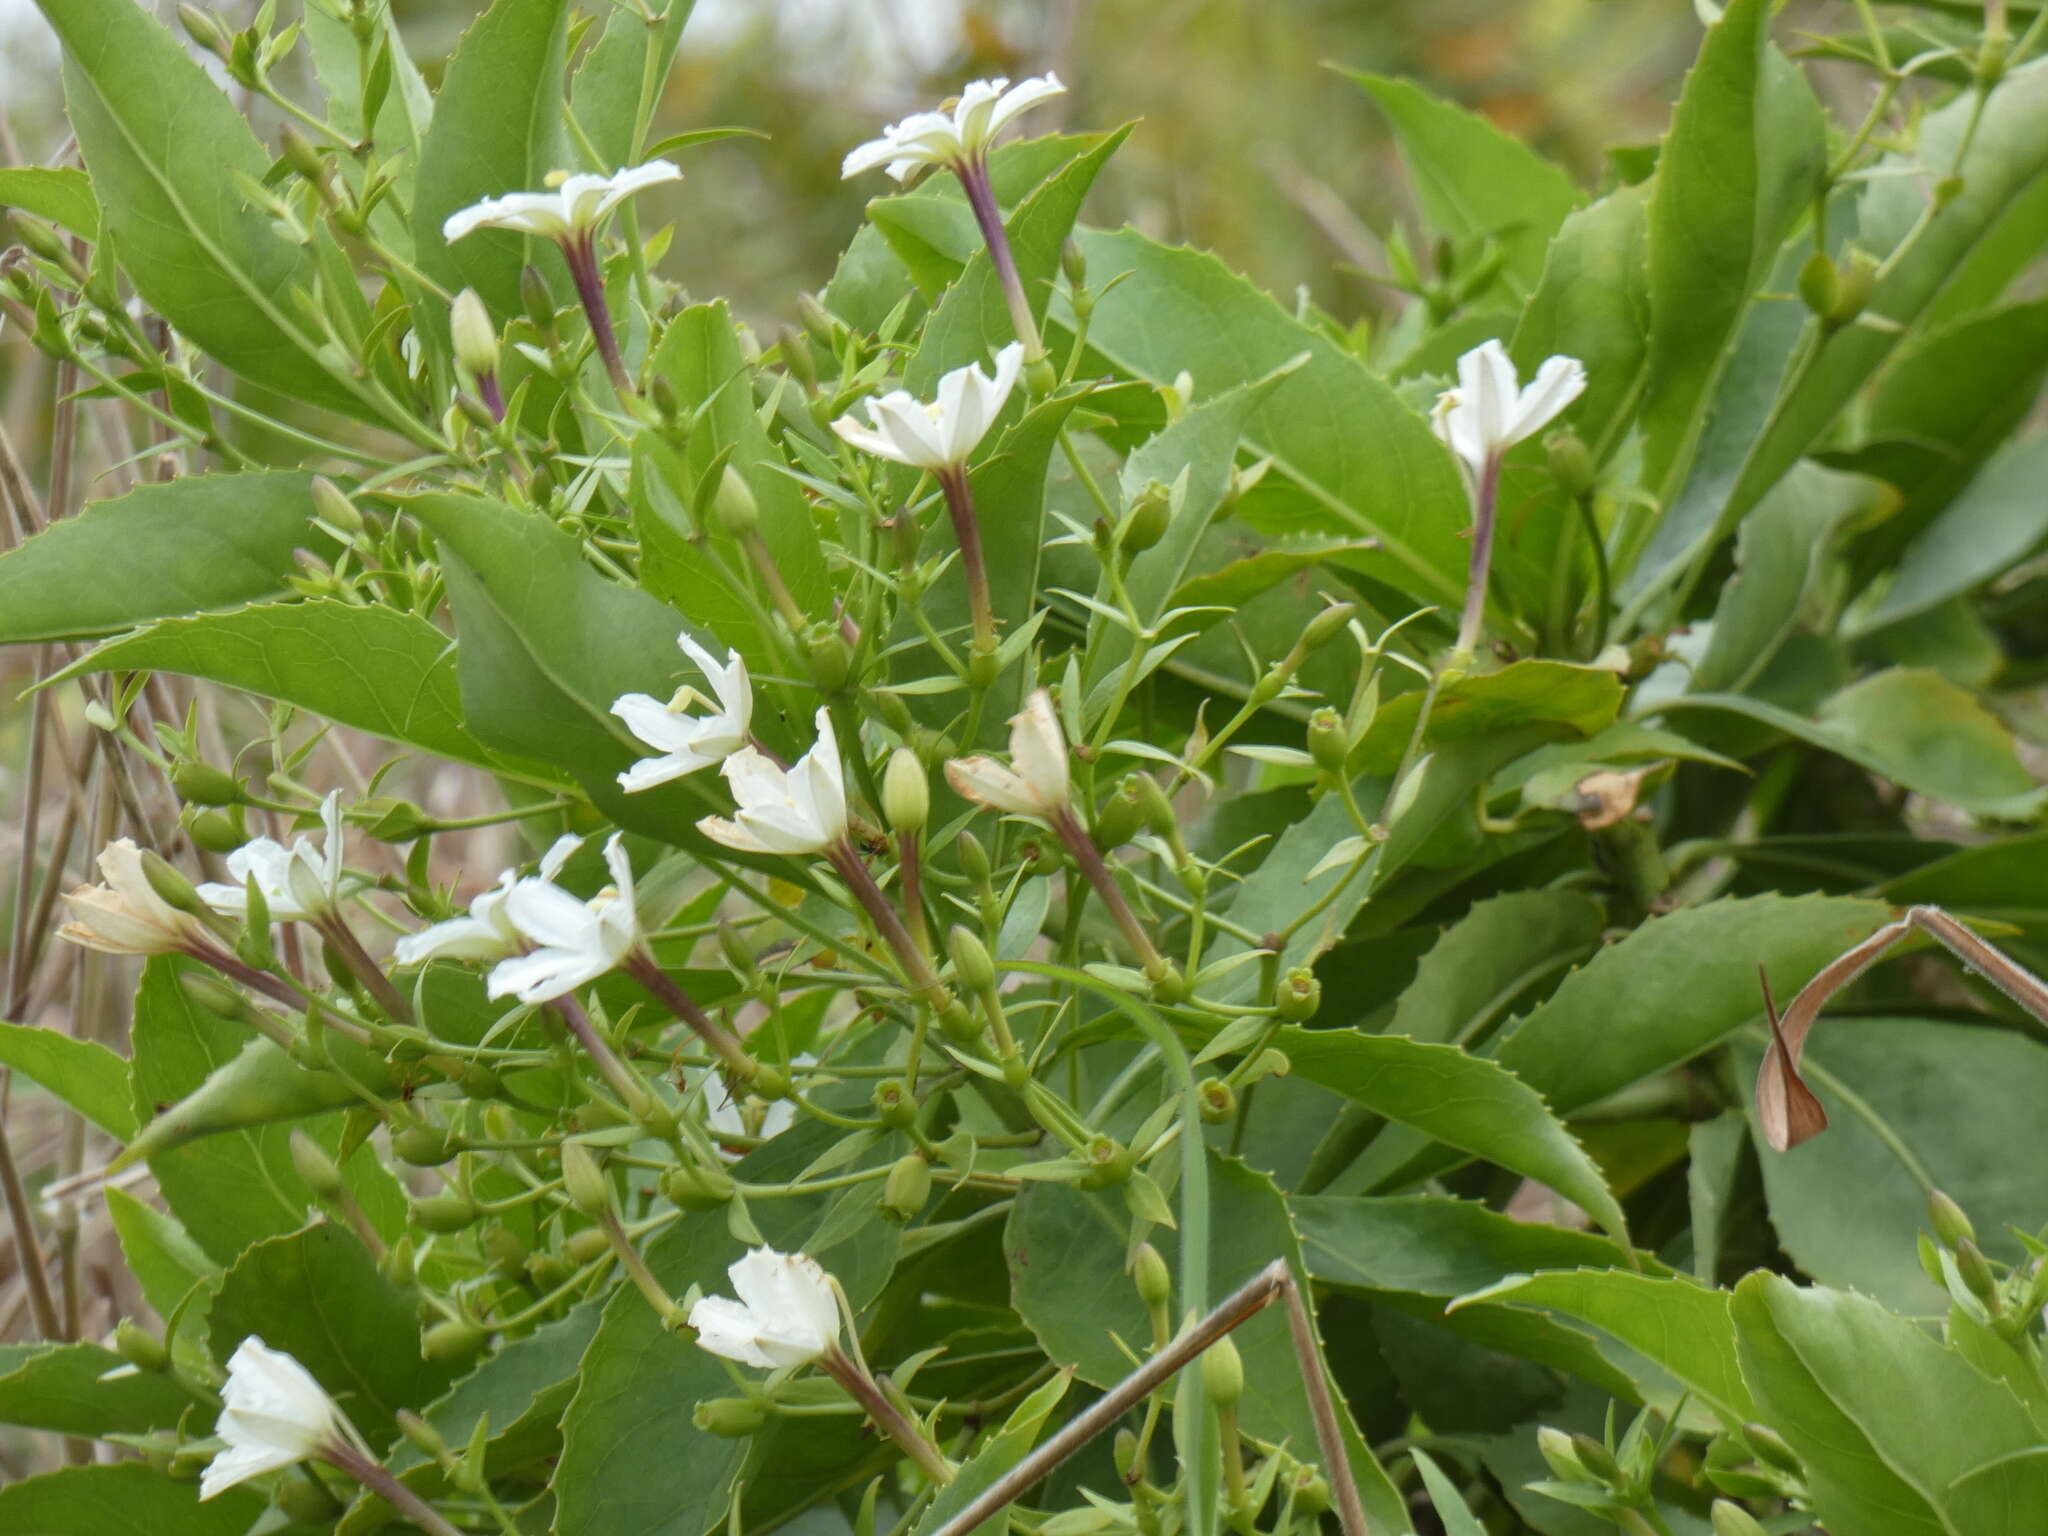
(1472, 179)
(2003, 1497)
(1993, 524)
(61, 195)
(160, 1253)
(1676, 1322)
(624, 73)
(497, 128)
(1577, 700)
(1491, 958)
(164, 148)
(1884, 1419)
(1432, 1246)
(378, 669)
(1463, 1101)
(1910, 1103)
(57, 1387)
(123, 1499)
(83, 1073)
(166, 548)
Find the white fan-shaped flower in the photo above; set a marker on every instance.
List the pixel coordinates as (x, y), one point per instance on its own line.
(299, 882)
(688, 742)
(569, 212)
(1037, 781)
(273, 1414)
(956, 138)
(905, 430)
(790, 811)
(786, 1313)
(487, 932)
(578, 941)
(1489, 412)
(124, 915)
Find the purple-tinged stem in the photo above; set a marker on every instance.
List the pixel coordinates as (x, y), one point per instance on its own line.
(923, 980)
(981, 197)
(372, 1476)
(581, 251)
(890, 1419)
(973, 565)
(1485, 499)
(631, 1091)
(492, 395)
(721, 1041)
(1085, 854)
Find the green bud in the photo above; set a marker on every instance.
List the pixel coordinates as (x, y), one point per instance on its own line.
(322, 1175)
(830, 657)
(443, 1213)
(1731, 1519)
(1118, 817)
(691, 1188)
(453, 1342)
(586, 1246)
(1074, 263)
(1820, 284)
(1150, 516)
(1930, 1260)
(479, 1081)
(169, 884)
(397, 1265)
(1328, 742)
(1218, 1100)
(203, 30)
(739, 954)
(734, 505)
(1273, 681)
(588, 1189)
(894, 1107)
(971, 962)
(1326, 626)
(973, 858)
(731, 1418)
(1154, 1280)
(391, 820)
(1571, 464)
(1298, 996)
(306, 1501)
(1561, 1453)
(959, 1023)
(666, 402)
(908, 1188)
(906, 792)
(424, 1437)
(1124, 1451)
(1154, 809)
(139, 1347)
(475, 411)
(1169, 986)
(1951, 1225)
(817, 321)
(423, 1145)
(41, 237)
(475, 338)
(1598, 1461)
(538, 301)
(214, 995)
(505, 1249)
(1976, 1272)
(1770, 1447)
(1223, 1373)
(302, 157)
(217, 833)
(1311, 1490)
(1858, 280)
(796, 358)
(203, 784)
(1110, 1163)
(332, 506)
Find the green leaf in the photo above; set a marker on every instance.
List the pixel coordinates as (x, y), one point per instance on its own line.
(165, 148)
(161, 1255)
(1884, 1419)
(2004, 1497)
(1353, 458)
(123, 1499)
(497, 128)
(1676, 1322)
(1914, 727)
(402, 118)
(317, 1295)
(1463, 1101)
(996, 1456)
(1068, 1256)
(1995, 523)
(1452, 1512)
(1911, 1104)
(83, 1073)
(57, 1387)
(1593, 303)
(1739, 166)
(1489, 958)
(378, 669)
(633, 1461)
(1472, 179)
(972, 321)
(166, 548)
(630, 55)
(1577, 700)
(62, 196)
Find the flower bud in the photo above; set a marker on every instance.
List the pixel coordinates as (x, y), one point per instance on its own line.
(1976, 1272)
(908, 1188)
(734, 504)
(423, 1436)
(971, 962)
(217, 833)
(506, 1252)
(1298, 996)
(1327, 740)
(1150, 516)
(1562, 1455)
(1820, 284)
(1571, 464)
(443, 1213)
(1154, 809)
(796, 357)
(1859, 278)
(895, 1108)
(1326, 626)
(1731, 1519)
(691, 1188)
(973, 858)
(1223, 1373)
(139, 1347)
(214, 995)
(332, 506)
(1770, 1447)
(1124, 1452)
(906, 792)
(1154, 1281)
(829, 655)
(475, 338)
(302, 157)
(1074, 263)
(203, 30)
(200, 783)
(423, 1145)
(731, 1418)
(1218, 1100)
(584, 1182)
(1118, 817)
(817, 321)
(1951, 1225)
(1598, 1461)
(1311, 1490)
(538, 301)
(453, 1342)
(320, 1172)
(586, 1246)
(305, 1501)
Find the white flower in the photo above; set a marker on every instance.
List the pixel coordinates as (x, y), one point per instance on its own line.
(786, 1313)
(579, 940)
(957, 138)
(274, 1414)
(800, 810)
(299, 882)
(571, 211)
(940, 435)
(1037, 779)
(1489, 412)
(488, 932)
(689, 742)
(125, 916)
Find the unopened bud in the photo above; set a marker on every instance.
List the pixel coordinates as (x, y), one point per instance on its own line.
(1154, 809)
(203, 30)
(731, 1418)
(830, 657)
(538, 301)
(1326, 626)
(1298, 996)
(1327, 742)
(1730, 1519)
(169, 884)
(332, 507)
(41, 236)
(203, 784)
(139, 1347)
(1117, 819)
(301, 156)
(587, 1187)
(586, 1246)
(216, 832)
(908, 1188)
(906, 792)
(1598, 1461)
(475, 338)
(1859, 279)
(1770, 1447)
(1223, 1373)
(322, 1175)
(1218, 1100)
(1820, 284)
(971, 962)
(423, 1437)
(424, 1146)
(817, 322)
(1311, 1491)
(1976, 1271)
(1150, 515)
(1124, 1452)
(214, 995)
(736, 509)
(796, 358)
(973, 858)
(443, 1213)
(1562, 1455)
(1571, 464)
(1153, 1279)
(738, 953)
(453, 1342)
(690, 1188)
(1951, 1225)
